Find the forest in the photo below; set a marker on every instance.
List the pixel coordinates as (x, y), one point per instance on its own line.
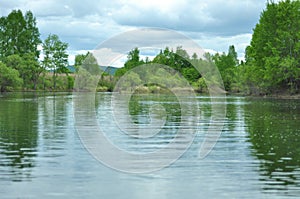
(271, 64)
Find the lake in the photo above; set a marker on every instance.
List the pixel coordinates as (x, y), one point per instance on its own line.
(41, 155)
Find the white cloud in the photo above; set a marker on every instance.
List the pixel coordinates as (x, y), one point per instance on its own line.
(219, 17)
(221, 44)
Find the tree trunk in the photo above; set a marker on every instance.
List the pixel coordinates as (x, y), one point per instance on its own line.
(34, 85)
(54, 80)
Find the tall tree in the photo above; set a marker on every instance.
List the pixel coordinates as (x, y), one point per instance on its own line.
(133, 60)
(13, 34)
(226, 64)
(32, 35)
(33, 70)
(55, 56)
(19, 34)
(274, 51)
(79, 61)
(90, 64)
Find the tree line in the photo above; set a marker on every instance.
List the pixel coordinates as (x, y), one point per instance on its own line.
(20, 66)
(272, 60)
(181, 64)
(271, 64)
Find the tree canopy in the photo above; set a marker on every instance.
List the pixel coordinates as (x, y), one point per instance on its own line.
(19, 34)
(273, 54)
(56, 57)
(19, 41)
(9, 78)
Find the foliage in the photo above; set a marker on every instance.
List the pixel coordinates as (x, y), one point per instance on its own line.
(19, 34)
(174, 67)
(133, 60)
(56, 57)
(19, 39)
(63, 82)
(32, 70)
(274, 52)
(91, 65)
(79, 61)
(19, 54)
(87, 67)
(85, 81)
(227, 64)
(28, 68)
(9, 78)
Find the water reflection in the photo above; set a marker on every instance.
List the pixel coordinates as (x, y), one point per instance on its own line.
(257, 153)
(231, 113)
(54, 116)
(274, 132)
(18, 135)
(142, 112)
(140, 108)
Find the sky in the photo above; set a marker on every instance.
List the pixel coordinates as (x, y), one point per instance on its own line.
(213, 25)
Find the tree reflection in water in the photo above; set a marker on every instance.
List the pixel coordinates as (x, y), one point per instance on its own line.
(274, 132)
(18, 135)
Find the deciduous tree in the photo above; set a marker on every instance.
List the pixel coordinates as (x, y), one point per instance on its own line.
(275, 47)
(56, 57)
(9, 78)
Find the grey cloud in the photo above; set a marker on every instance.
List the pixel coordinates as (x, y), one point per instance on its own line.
(217, 17)
(80, 34)
(214, 24)
(46, 8)
(7, 6)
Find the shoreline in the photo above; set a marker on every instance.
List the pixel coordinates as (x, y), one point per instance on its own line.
(278, 96)
(228, 94)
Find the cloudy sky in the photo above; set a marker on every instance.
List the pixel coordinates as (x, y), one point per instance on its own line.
(213, 24)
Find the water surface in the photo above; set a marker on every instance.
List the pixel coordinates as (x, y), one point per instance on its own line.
(257, 155)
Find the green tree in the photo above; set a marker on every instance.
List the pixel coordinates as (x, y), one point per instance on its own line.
(233, 55)
(180, 62)
(275, 50)
(32, 70)
(79, 61)
(32, 35)
(28, 67)
(12, 36)
(91, 65)
(227, 64)
(133, 60)
(19, 34)
(56, 57)
(9, 78)
(19, 39)
(129, 82)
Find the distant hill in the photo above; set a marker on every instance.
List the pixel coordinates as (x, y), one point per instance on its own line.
(109, 69)
(71, 68)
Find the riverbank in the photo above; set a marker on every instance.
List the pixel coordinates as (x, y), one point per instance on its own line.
(157, 90)
(283, 95)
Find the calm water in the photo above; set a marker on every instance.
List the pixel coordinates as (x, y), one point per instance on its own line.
(41, 156)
